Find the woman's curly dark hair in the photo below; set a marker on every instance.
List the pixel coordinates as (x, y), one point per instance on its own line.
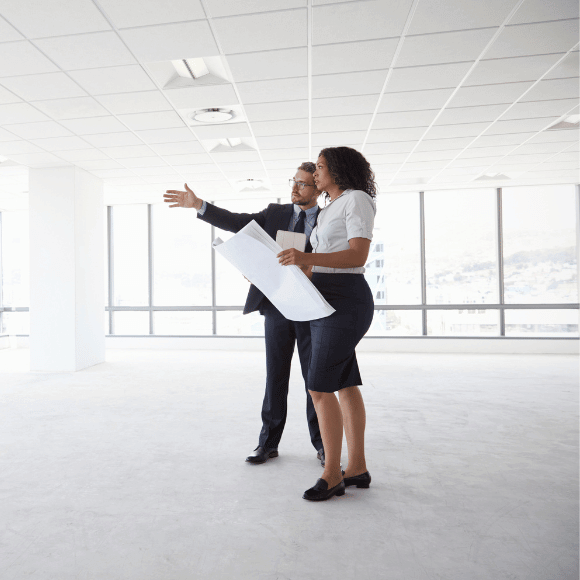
(349, 169)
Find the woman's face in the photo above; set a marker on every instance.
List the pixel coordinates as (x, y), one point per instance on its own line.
(322, 177)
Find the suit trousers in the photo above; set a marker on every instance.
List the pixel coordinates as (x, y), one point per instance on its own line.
(281, 336)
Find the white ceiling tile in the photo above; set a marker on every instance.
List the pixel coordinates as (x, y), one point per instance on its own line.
(285, 142)
(538, 38)
(159, 120)
(8, 97)
(339, 138)
(200, 97)
(245, 166)
(460, 130)
(181, 147)
(143, 102)
(444, 47)
(568, 135)
(515, 158)
(477, 161)
(8, 32)
(165, 135)
(98, 164)
(510, 70)
(38, 159)
(92, 125)
(481, 152)
(444, 144)
(384, 148)
(272, 91)
(164, 178)
(355, 105)
(283, 127)
(18, 58)
(540, 109)
(265, 31)
(105, 173)
(128, 151)
(143, 162)
(9, 148)
(220, 8)
(505, 93)
(348, 84)
(414, 100)
(520, 125)
(53, 17)
(553, 89)
(161, 170)
(272, 64)
(539, 10)
(286, 164)
(276, 111)
(61, 143)
(74, 108)
(198, 168)
(134, 179)
(540, 148)
(477, 114)
(359, 20)
(20, 113)
(427, 77)
(391, 135)
(442, 155)
(353, 56)
(39, 130)
(7, 135)
(225, 131)
(341, 123)
(437, 16)
(498, 140)
(237, 156)
(404, 119)
(201, 158)
(113, 139)
(171, 41)
(75, 155)
(86, 51)
(569, 67)
(567, 156)
(131, 13)
(43, 86)
(295, 153)
(119, 79)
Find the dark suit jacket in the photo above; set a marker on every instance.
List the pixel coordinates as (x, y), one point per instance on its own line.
(275, 217)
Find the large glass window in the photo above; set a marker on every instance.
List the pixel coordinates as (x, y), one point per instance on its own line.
(460, 247)
(181, 258)
(130, 251)
(539, 225)
(15, 259)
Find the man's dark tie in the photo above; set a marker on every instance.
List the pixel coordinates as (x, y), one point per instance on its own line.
(299, 227)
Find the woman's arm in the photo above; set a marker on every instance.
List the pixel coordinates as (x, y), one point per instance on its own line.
(355, 257)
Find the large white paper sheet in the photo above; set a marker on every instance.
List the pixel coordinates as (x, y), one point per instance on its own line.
(253, 252)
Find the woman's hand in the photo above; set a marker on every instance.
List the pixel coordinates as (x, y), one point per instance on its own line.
(292, 256)
(182, 198)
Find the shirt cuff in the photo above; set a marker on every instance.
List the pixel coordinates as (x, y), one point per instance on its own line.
(201, 211)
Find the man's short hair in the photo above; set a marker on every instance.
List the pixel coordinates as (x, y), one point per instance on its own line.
(308, 166)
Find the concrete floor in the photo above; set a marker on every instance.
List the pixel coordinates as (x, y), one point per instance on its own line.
(134, 469)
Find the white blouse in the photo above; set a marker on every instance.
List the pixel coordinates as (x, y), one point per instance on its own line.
(350, 215)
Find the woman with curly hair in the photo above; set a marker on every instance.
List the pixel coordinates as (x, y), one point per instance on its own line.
(340, 242)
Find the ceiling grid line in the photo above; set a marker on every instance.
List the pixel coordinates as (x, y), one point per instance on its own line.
(460, 84)
(559, 61)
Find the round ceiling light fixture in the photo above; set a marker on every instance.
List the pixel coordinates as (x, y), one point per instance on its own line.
(212, 115)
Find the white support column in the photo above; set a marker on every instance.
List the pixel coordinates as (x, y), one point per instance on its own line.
(66, 269)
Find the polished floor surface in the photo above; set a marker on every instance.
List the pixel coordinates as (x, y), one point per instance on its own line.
(134, 469)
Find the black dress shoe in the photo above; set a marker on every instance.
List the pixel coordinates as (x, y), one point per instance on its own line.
(261, 455)
(320, 491)
(362, 480)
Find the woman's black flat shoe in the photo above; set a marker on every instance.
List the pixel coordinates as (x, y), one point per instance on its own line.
(320, 491)
(362, 480)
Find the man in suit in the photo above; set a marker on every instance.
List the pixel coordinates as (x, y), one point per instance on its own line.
(281, 334)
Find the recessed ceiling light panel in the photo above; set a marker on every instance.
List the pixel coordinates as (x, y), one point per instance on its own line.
(212, 115)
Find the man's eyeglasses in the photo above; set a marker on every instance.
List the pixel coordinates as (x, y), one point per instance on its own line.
(300, 185)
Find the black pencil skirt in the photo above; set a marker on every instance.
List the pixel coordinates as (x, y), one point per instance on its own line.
(333, 365)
